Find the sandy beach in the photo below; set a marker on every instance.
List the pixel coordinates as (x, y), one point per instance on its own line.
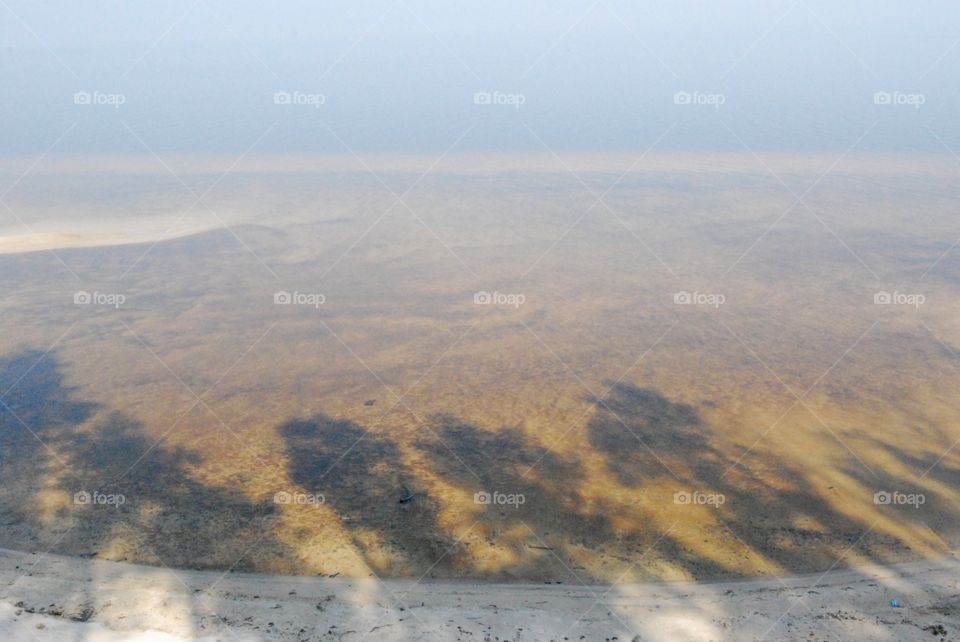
(61, 598)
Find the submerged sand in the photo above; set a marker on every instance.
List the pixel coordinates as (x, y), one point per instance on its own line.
(599, 399)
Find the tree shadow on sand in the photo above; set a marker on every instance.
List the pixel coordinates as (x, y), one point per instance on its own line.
(429, 505)
(927, 472)
(34, 403)
(66, 464)
(773, 518)
(491, 467)
(53, 446)
(363, 477)
(643, 434)
(770, 508)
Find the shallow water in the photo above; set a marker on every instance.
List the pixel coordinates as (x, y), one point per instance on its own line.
(618, 431)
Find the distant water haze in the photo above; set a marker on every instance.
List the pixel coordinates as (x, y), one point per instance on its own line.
(403, 77)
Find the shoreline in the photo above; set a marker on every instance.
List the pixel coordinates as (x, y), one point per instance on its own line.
(116, 601)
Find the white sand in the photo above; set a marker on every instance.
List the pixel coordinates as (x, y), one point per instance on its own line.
(105, 235)
(43, 596)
